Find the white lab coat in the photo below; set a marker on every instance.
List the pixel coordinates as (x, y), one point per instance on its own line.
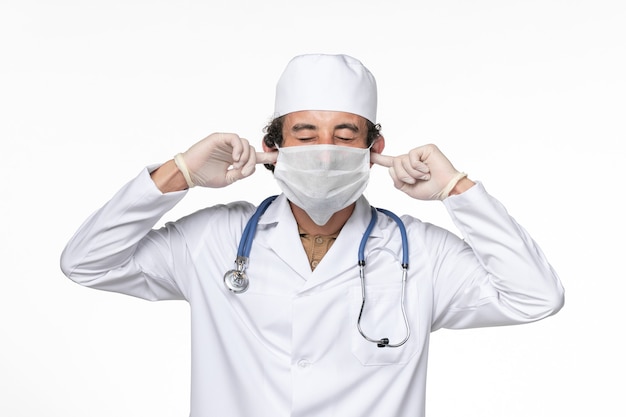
(289, 346)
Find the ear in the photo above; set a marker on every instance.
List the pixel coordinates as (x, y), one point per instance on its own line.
(379, 144)
(267, 148)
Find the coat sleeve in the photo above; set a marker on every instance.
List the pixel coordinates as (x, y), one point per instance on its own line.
(106, 251)
(496, 275)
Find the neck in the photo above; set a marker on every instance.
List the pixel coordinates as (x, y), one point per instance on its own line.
(332, 226)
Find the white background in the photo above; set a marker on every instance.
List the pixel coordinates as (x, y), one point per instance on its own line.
(526, 96)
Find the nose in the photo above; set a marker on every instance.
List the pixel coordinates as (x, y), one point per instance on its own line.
(326, 138)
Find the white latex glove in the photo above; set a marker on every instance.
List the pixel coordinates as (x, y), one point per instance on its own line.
(219, 160)
(424, 173)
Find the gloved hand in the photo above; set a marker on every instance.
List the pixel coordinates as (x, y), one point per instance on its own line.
(219, 160)
(424, 173)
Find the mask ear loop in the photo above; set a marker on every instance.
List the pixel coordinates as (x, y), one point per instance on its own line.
(369, 148)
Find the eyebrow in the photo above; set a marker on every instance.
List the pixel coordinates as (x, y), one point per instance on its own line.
(350, 126)
(303, 126)
(306, 126)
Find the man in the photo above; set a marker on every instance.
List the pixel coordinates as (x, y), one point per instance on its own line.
(302, 336)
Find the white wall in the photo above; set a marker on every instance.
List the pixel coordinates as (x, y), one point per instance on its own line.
(527, 96)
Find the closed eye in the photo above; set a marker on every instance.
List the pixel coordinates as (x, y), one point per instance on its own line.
(345, 139)
(346, 132)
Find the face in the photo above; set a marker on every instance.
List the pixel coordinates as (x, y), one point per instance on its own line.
(324, 128)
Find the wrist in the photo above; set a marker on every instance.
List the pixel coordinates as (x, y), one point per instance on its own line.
(461, 186)
(179, 160)
(168, 178)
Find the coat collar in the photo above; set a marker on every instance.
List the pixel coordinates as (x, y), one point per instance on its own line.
(282, 237)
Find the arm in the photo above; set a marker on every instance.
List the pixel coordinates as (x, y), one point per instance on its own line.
(102, 253)
(498, 275)
(108, 251)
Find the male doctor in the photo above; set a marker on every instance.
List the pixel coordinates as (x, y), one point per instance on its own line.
(286, 342)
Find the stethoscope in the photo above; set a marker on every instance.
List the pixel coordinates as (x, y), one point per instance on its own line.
(237, 281)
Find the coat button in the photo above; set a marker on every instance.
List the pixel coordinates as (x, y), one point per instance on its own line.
(303, 363)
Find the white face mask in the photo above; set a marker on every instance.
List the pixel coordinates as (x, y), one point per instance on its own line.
(322, 179)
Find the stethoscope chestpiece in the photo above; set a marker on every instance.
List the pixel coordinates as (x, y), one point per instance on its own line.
(235, 279)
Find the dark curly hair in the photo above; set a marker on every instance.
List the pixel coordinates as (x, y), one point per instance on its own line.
(274, 134)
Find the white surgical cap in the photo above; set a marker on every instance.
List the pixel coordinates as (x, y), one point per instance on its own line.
(326, 82)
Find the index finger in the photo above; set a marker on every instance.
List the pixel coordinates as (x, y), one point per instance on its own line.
(266, 157)
(382, 160)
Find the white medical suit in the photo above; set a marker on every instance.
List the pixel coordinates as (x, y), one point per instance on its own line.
(289, 346)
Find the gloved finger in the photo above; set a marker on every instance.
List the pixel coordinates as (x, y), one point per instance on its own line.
(415, 168)
(245, 153)
(266, 157)
(402, 170)
(382, 160)
(238, 173)
(234, 142)
(430, 155)
(247, 163)
(419, 165)
(235, 174)
(417, 158)
(397, 182)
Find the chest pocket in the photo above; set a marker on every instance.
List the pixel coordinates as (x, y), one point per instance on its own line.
(382, 318)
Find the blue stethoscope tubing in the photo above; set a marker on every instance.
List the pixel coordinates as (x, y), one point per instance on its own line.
(237, 281)
(384, 342)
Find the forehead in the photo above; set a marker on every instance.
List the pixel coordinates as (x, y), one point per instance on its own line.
(322, 118)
